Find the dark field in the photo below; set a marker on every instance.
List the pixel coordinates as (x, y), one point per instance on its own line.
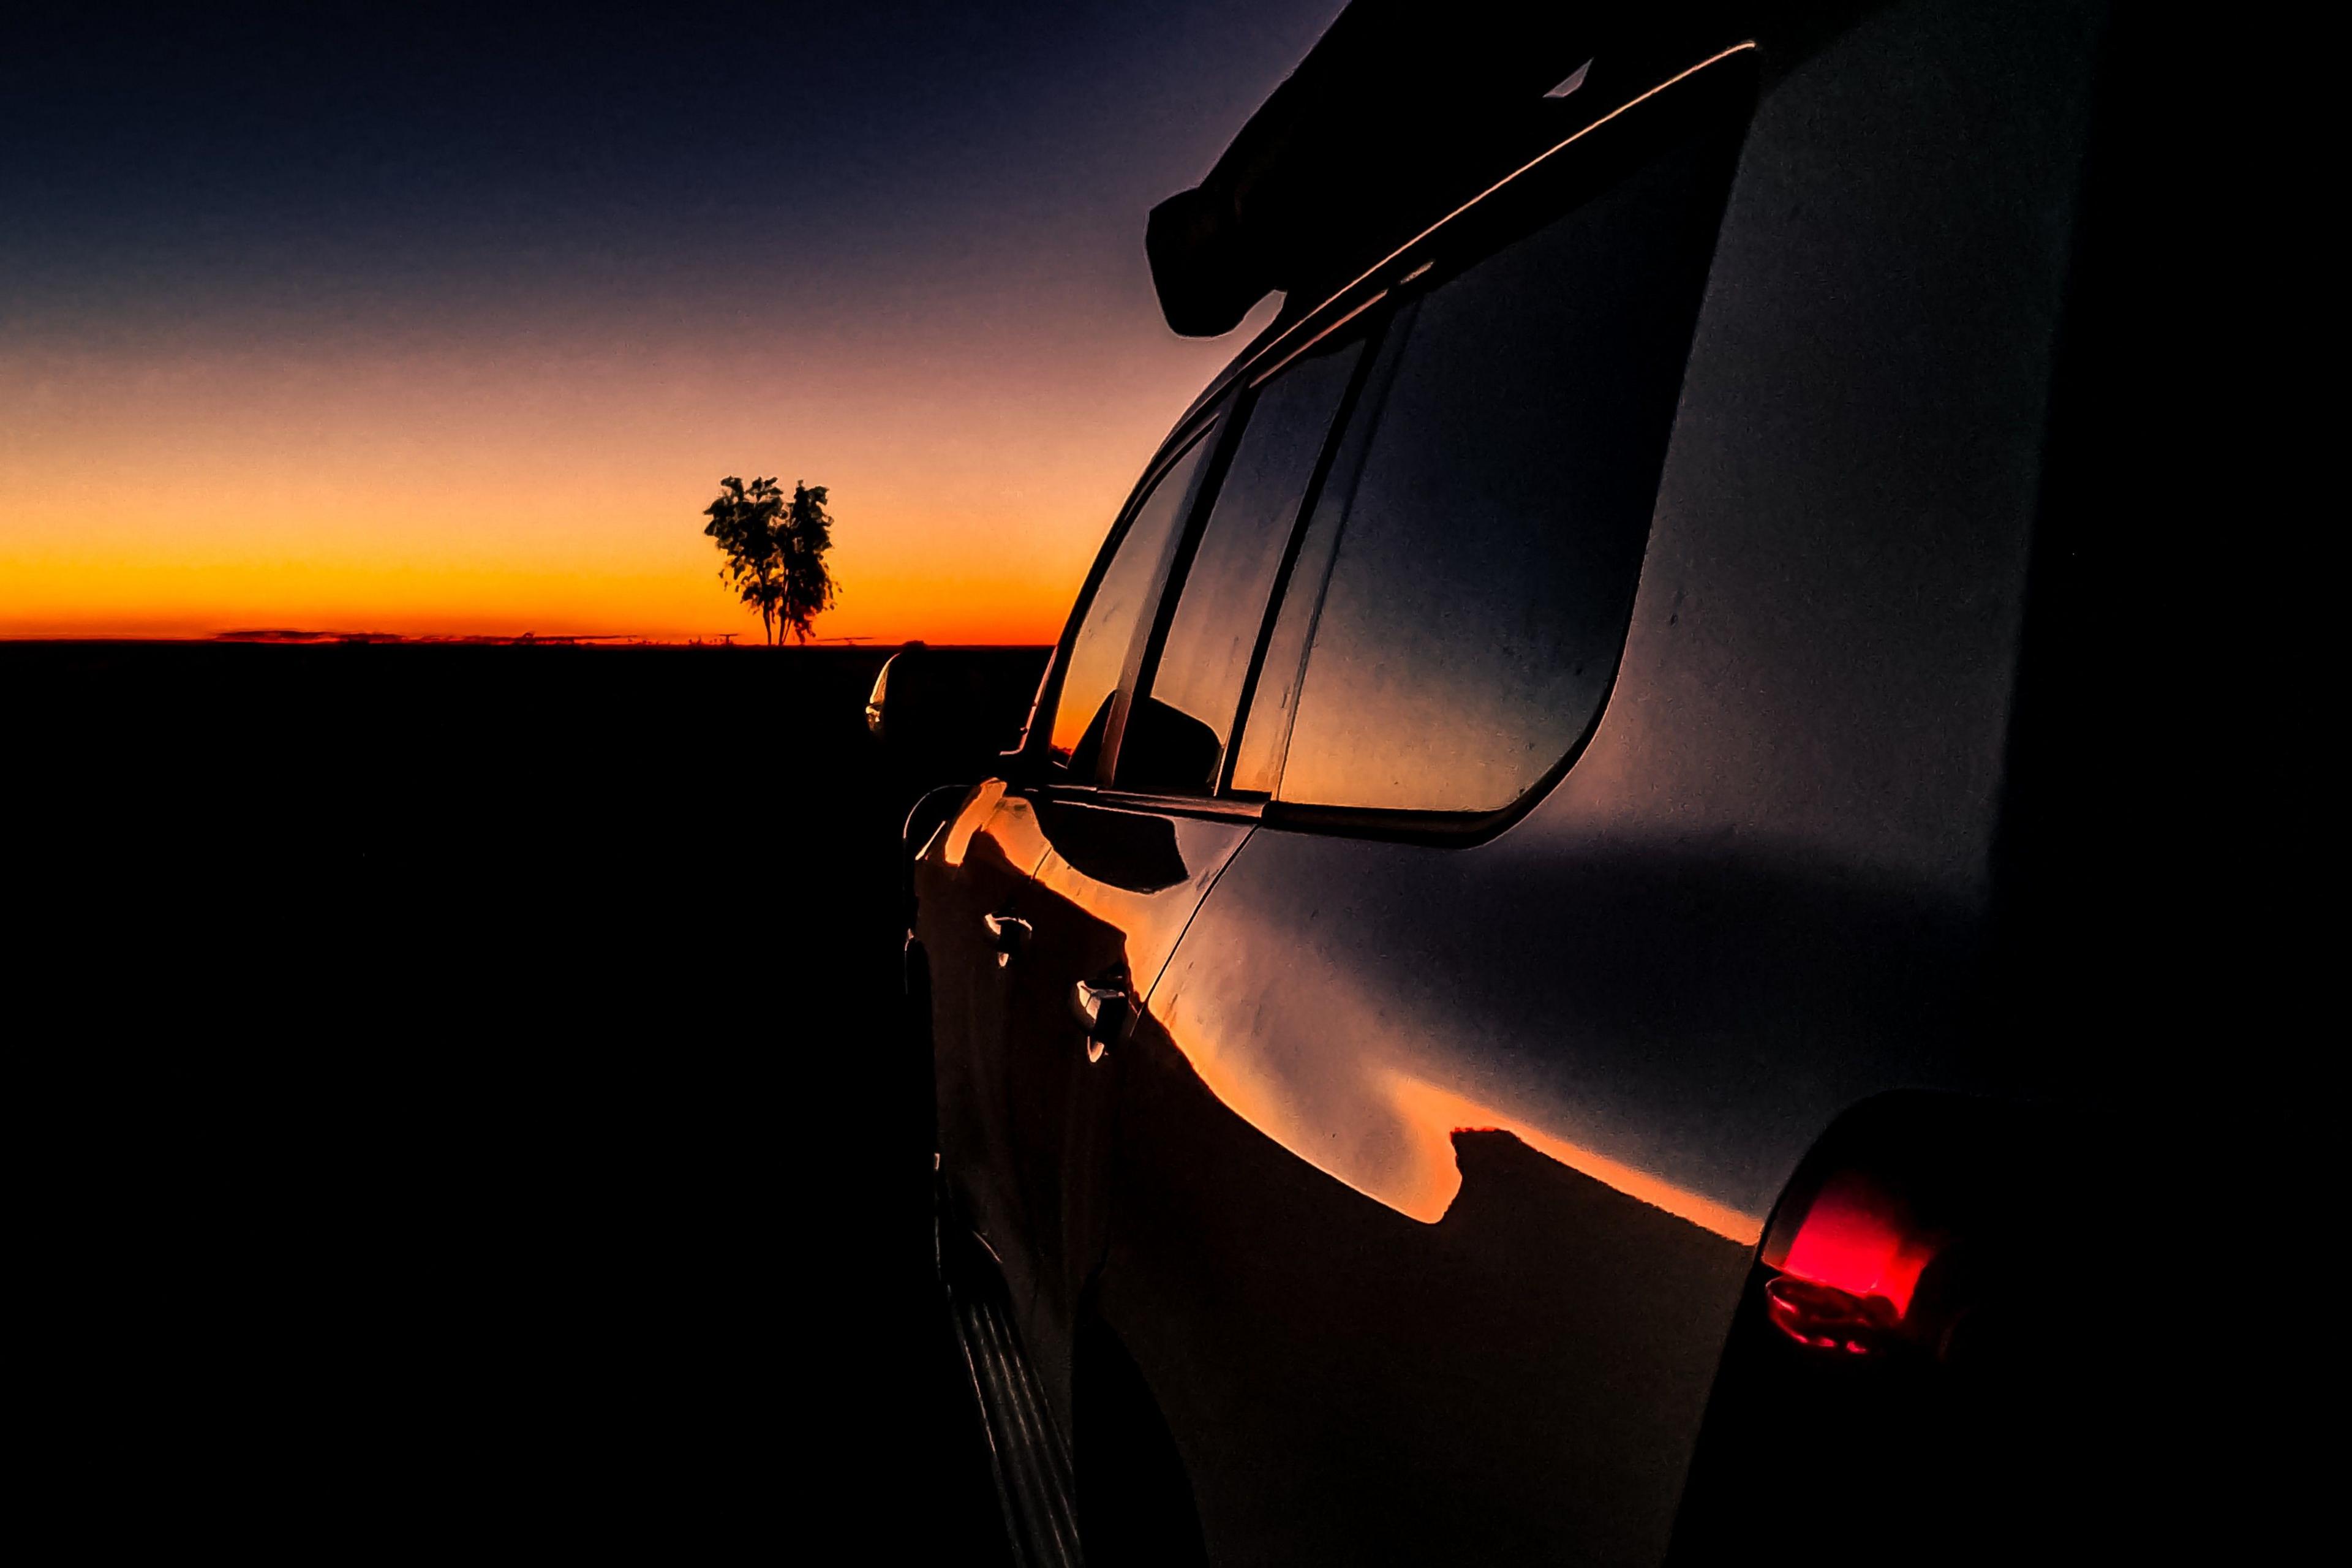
(496, 1121)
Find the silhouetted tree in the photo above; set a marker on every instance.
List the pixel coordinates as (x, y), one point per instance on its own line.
(775, 550)
(743, 525)
(805, 536)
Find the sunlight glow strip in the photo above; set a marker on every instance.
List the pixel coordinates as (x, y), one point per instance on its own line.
(1430, 1107)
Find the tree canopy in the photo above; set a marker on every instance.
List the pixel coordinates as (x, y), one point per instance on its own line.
(775, 548)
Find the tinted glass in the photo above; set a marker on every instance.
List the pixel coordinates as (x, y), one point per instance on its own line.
(1128, 591)
(1176, 739)
(1477, 601)
(1258, 764)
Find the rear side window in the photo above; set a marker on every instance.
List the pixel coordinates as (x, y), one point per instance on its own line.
(1177, 737)
(1125, 596)
(1485, 570)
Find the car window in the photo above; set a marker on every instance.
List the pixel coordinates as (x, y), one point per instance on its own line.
(1257, 760)
(1177, 736)
(1128, 590)
(1485, 571)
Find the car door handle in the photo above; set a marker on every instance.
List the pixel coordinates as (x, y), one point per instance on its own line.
(1008, 934)
(1106, 1009)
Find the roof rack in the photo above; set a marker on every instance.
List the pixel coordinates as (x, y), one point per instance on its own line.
(1402, 109)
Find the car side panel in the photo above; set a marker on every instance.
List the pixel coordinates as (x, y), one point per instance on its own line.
(1440, 1168)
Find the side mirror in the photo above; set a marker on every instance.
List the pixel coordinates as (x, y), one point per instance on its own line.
(944, 714)
(908, 713)
(1167, 748)
(878, 702)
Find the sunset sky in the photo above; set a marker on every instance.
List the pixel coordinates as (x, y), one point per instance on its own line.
(449, 319)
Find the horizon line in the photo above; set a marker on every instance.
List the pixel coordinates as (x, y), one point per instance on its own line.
(289, 636)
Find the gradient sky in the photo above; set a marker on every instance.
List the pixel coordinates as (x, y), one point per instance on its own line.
(447, 319)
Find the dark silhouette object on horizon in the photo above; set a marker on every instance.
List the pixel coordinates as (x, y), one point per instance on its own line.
(775, 549)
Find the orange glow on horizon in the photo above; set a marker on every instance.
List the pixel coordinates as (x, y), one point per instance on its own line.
(551, 480)
(78, 595)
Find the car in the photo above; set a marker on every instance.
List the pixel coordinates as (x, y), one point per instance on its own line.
(1479, 1020)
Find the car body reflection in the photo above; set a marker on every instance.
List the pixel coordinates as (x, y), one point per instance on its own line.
(1616, 796)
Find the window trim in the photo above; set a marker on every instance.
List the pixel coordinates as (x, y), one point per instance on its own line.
(1343, 456)
(1447, 248)
(1143, 662)
(1278, 366)
(1033, 753)
(1398, 279)
(1224, 808)
(1244, 406)
(1409, 261)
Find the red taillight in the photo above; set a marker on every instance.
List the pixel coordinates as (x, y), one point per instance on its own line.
(1844, 1277)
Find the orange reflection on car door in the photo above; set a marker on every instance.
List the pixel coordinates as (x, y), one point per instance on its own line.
(1361, 1102)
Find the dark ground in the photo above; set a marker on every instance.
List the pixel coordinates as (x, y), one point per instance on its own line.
(490, 1120)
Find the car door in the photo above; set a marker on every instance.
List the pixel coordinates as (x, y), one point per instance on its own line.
(967, 879)
(976, 914)
(1131, 852)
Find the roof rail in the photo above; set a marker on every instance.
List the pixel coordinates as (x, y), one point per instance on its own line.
(1402, 109)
